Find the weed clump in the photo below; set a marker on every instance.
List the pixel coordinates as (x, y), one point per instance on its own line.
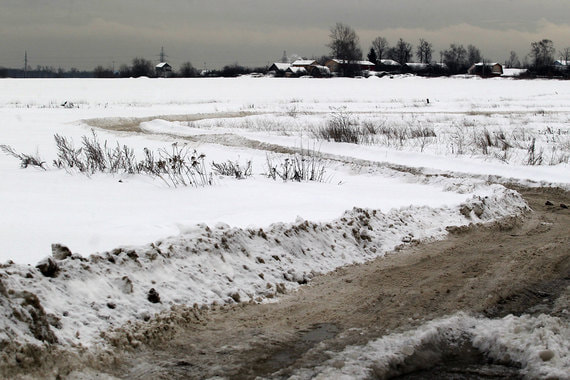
(25, 159)
(304, 167)
(177, 166)
(232, 169)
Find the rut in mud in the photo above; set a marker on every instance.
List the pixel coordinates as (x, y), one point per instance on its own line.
(519, 265)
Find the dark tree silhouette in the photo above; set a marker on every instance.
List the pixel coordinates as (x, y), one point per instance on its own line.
(424, 51)
(141, 68)
(380, 46)
(372, 56)
(345, 46)
(542, 54)
(187, 70)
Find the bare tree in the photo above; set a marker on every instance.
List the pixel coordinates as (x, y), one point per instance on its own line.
(455, 58)
(473, 55)
(380, 46)
(125, 71)
(187, 70)
(565, 55)
(141, 67)
(102, 72)
(513, 60)
(542, 53)
(403, 51)
(424, 51)
(345, 46)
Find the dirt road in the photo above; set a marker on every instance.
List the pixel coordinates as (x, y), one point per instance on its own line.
(520, 265)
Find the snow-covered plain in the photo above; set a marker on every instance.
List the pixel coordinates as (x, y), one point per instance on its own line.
(219, 238)
(100, 213)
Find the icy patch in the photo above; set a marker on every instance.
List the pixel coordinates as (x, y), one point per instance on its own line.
(82, 298)
(539, 345)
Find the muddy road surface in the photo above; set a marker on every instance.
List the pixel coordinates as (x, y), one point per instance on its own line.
(519, 265)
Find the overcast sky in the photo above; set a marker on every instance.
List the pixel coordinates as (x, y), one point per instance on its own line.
(85, 33)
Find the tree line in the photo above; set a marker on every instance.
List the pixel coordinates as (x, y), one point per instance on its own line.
(344, 44)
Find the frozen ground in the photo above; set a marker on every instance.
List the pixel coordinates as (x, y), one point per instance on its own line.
(435, 146)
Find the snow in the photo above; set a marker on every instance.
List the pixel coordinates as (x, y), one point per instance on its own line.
(91, 214)
(209, 244)
(513, 72)
(206, 264)
(303, 62)
(518, 340)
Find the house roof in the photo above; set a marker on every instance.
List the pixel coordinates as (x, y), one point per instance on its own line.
(162, 65)
(361, 63)
(487, 64)
(389, 62)
(323, 69)
(304, 62)
(417, 65)
(514, 72)
(562, 62)
(281, 65)
(297, 69)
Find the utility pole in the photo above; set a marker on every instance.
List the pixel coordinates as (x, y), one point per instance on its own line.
(162, 55)
(25, 64)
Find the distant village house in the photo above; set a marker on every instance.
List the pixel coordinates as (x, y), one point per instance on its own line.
(483, 68)
(304, 63)
(279, 67)
(335, 65)
(162, 69)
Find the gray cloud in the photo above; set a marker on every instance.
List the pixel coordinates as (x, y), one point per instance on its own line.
(85, 33)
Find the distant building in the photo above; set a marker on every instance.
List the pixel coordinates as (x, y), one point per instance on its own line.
(318, 71)
(162, 69)
(416, 67)
(561, 65)
(388, 65)
(335, 65)
(425, 69)
(304, 63)
(296, 71)
(484, 68)
(278, 67)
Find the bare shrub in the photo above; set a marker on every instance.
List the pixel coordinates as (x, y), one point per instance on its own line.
(183, 167)
(67, 156)
(340, 128)
(556, 157)
(25, 159)
(458, 140)
(308, 166)
(534, 156)
(179, 166)
(121, 158)
(232, 169)
(94, 154)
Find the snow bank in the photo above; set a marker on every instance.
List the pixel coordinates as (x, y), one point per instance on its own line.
(539, 345)
(76, 299)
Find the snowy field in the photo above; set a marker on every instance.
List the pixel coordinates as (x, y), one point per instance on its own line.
(90, 214)
(427, 152)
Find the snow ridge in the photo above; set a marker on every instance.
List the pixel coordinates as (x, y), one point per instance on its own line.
(86, 297)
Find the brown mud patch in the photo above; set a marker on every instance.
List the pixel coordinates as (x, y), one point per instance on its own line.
(132, 124)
